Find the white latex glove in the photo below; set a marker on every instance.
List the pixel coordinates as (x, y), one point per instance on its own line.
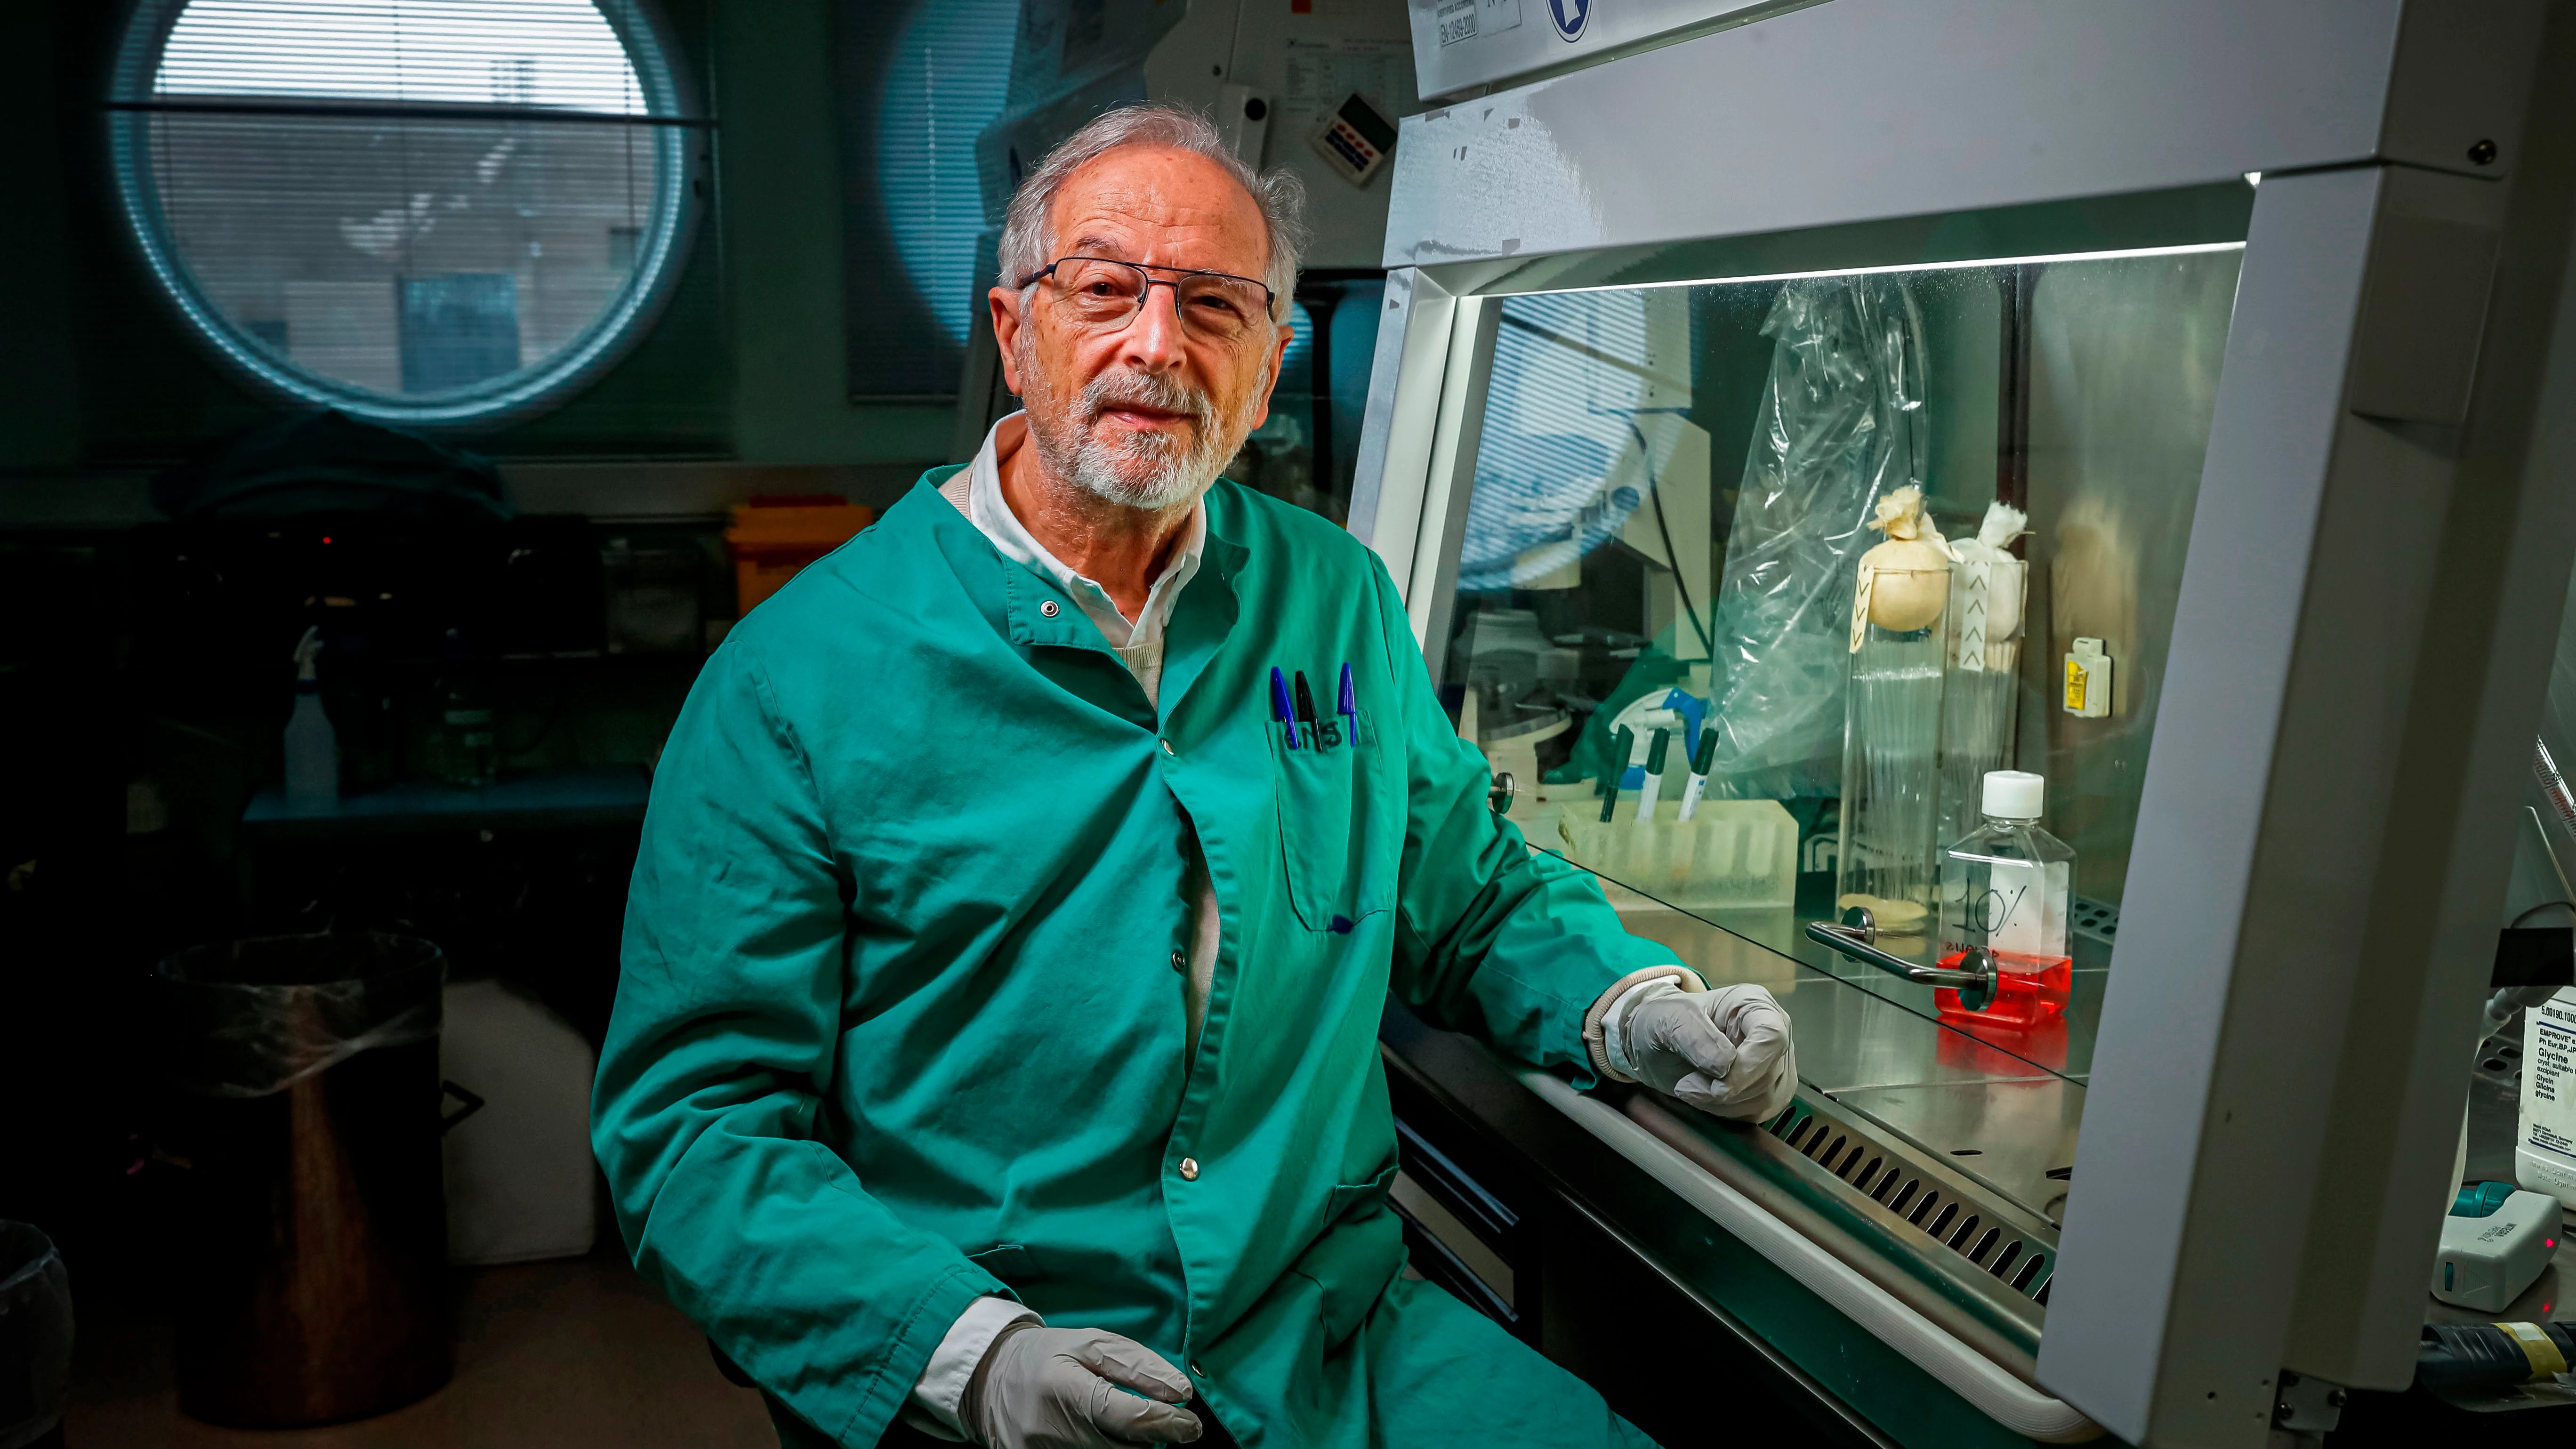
(1726, 1052)
(1059, 1388)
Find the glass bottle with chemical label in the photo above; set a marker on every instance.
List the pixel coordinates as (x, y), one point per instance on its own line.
(2004, 887)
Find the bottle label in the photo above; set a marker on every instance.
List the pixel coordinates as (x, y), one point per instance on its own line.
(2548, 1082)
(2012, 907)
(2008, 913)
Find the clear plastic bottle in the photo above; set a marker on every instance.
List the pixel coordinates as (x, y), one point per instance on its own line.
(312, 747)
(468, 736)
(2004, 887)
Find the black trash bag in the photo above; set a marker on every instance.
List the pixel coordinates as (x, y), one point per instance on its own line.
(35, 1336)
(328, 462)
(312, 1228)
(254, 1017)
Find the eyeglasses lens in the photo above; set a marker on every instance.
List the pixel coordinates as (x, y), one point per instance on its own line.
(1107, 294)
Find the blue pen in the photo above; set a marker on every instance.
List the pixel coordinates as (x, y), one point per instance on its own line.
(1349, 707)
(1279, 704)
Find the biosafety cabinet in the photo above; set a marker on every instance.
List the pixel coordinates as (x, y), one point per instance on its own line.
(1812, 409)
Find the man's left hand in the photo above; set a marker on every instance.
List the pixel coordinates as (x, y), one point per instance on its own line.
(1726, 1052)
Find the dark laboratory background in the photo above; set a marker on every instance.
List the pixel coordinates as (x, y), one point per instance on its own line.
(677, 390)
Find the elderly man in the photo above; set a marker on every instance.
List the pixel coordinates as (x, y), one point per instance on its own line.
(996, 1050)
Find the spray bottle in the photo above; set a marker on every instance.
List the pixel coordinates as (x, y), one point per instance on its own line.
(312, 749)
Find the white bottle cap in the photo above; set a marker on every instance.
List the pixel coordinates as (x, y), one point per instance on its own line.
(2015, 794)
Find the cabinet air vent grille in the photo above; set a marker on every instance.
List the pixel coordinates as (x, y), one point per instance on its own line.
(1884, 1178)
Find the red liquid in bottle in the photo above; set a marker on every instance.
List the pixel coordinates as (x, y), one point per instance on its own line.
(2028, 989)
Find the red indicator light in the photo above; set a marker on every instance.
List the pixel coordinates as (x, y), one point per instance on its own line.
(326, 538)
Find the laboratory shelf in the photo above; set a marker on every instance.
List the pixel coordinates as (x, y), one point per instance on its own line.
(536, 799)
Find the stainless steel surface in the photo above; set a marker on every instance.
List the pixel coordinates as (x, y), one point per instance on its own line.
(1987, 1114)
(1771, 947)
(1856, 936)
(2016, 1136)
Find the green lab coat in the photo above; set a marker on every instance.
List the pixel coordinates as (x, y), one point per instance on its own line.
(901, 1020)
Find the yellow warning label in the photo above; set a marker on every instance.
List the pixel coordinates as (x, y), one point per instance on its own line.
(2076, 678)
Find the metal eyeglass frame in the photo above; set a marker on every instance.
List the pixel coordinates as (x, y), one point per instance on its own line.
(1269, 298)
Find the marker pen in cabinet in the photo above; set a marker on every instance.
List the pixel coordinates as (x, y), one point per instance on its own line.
(1620, 749)
(1653, 789)
(1701, 759)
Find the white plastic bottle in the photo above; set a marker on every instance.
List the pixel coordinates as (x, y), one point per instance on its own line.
(312, 747)
(2544, 1151)
(2004, 887)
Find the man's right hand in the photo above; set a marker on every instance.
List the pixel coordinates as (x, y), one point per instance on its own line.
(1061, 1388)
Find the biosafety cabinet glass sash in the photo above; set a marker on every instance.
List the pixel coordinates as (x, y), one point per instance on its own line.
(1761, 579)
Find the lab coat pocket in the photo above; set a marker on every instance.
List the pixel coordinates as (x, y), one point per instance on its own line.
(1009, 1262)
(1351, 1195)
(1327, 836)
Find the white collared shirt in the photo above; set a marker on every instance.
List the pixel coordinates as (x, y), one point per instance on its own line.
(1139, 641)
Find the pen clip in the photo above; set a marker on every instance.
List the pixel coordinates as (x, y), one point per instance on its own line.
(1280, 707)
(1306, 712)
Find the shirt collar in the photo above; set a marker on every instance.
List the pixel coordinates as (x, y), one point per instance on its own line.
(991, 514)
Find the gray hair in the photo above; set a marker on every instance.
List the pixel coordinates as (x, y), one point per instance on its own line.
(1027, 231)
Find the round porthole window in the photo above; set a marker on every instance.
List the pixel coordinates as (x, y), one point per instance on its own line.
(430, 213)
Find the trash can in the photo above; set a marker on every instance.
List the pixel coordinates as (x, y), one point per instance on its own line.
(314, 1224)
(35, 1339)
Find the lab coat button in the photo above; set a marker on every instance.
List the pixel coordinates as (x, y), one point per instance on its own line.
(1180, 962)
(1167, 749)
(1189, 1169)
(1049, 608)
(1197, 1372)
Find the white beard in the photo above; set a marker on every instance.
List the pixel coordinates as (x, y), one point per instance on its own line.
(1145, 470)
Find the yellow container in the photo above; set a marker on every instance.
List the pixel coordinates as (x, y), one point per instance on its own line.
(772, 537)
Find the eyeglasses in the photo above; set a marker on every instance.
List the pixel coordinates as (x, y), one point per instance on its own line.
(1105, 295)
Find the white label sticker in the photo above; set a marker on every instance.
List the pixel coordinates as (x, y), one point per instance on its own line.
(1321, 73)
(2012, 906)
(1457, 21)
(1496, 16)
(2549, 1077)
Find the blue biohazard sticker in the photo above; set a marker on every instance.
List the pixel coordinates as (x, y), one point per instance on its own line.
(1570, 17)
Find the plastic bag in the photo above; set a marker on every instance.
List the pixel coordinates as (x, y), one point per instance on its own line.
(35, 1335)
(248, 1018)
(1841, 426)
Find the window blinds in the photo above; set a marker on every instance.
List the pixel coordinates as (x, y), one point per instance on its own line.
(919, 83)
(419, 210)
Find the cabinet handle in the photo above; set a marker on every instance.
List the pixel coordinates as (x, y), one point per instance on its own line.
(1856, 936)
